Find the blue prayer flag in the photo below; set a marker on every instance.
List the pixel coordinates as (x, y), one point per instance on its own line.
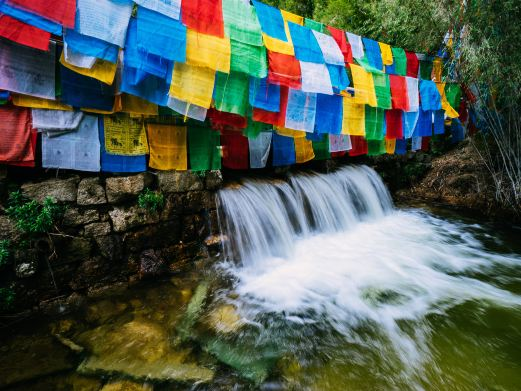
(373, 53)
(430, 96)
(439, 122)
(306, 46)
(338, 76)
(30, 18)
(401, 147)
(271, 21)
(329, 114)
(264, 95)
(283, 150)
(90, 46)
(424, 124)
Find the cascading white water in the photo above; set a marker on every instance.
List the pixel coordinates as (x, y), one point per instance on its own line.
(331, 247)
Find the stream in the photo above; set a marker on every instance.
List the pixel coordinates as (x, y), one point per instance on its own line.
(322, 284)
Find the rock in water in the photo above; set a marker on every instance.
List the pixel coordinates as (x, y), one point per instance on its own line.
(224, 319)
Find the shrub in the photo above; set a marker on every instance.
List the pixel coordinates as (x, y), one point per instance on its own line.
(7, 296)
(32, 217)
(4, 252)
(151, 201)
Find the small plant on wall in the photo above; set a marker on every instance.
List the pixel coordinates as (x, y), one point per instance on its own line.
(151, 201)
(4, 252)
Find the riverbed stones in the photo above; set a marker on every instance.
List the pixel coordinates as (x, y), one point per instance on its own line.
(125, 385)
(91, 192)
(122, 189)
(179, 181)
(139, 350)
(225, 319)
(61, 190)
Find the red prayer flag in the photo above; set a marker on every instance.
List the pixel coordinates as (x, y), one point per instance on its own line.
(276, 119)
(340, 37)
(426, 144)
(24, 34)
(203, 16)
(235, 150)
(15, 128)
(284, 70)
(394, 123)
(220, 120)
(59, 11)
(399, 96)
(413, 64)
(338, 154)
(359, 146)
(29, 163)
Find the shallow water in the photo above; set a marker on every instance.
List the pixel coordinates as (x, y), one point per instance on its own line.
(325, 286)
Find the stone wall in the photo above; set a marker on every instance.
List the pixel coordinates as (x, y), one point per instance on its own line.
(105, 238)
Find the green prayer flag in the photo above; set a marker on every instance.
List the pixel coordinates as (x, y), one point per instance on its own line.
(249, 59)
(382, 88)
(399, 61)
(314, 25)
(254, 128)
(426, 69)
(375, 147)
(203, 145)
(374, 123)
(231, 92)
(453, 94)
(241, 23)
(321, 148)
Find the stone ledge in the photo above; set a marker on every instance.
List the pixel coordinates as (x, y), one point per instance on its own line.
(179, 181)
(61, 190)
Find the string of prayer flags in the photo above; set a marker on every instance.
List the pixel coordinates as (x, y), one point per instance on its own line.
(23, 33)
(170, 8)
(301, 111)
(264, 95)
(373, 53)
(119, 163)
(208, 51)
(283, 150)
(329, 113)
(303, 150)
(412, 64)
(59, 11)
(429, 95)
(260, 149)
(394, 122)
(231, 92)
(339, 143)
(193, 84)
(167, 145)
(79, 150)
(89, 46)
(400, 99)
(15, 128)
(357, 47)
(160, 35)
(284, 70)
(104, 19)
(30, 18)
(27, 70)
(205, 16)
(124, 135)
(235, 150)
(204, 147)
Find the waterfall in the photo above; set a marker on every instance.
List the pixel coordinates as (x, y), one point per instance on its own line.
(263, 219)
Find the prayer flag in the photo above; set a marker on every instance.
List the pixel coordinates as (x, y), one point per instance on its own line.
(235, 150)
(339, 143)
(204, 145)
(387, 53)
(30, 18)
(170, 8)
(59, 11)
(203, 16)
(90, 46)
(353, 122)
(373, 54)
(208, 51)
(301, 110)
(303, 150)
(193, 84)
(359, 146)
(305, 44)
(412, 64)
(341, 39)
(316, 78)
(24, 34)
(283, 150)
(264, 95)
(125, 135)
(260, 149)
(329, 114)
(399, 94)
(15, 129)
(430, 96)
(394, 124)
(167, 145)
(284, 70)
(357, 47)
(231, 92)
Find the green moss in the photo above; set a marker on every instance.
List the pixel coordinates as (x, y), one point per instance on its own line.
(4, 252)
(7, 297)
(151, 201)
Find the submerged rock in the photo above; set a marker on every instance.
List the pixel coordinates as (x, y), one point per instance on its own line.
(140, 350)
(193, 312)
(29, 357)
(126, 385)
(224, 319)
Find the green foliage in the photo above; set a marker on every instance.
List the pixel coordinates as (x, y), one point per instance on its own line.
(152, 201)
(7, 297)
(4, 252)
(32, 217)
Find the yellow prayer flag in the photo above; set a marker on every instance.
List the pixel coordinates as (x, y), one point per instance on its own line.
(38, 103)
(353, 120)
(135, 105)
(390, 146)
(192, 84)
(102, 70)
(437, 69)
(289, 132)
(303, 150)
(445, 105)
(364, 86)
(124, 135)
(387, 53)
(291, 17)
(284, 47)
(208, 51)
(167, 147)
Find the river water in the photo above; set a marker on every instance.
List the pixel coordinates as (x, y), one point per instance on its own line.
(323, 285)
